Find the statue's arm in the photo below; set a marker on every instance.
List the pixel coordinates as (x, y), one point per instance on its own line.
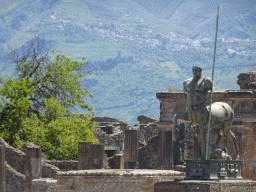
(185, 87)
(208, 84)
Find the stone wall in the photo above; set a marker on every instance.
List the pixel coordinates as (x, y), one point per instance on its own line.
(15, 181)
(110, 141)
(42, 185)
(14, 157)
(148, 154)
(65, 165)
(110, 133)
(49, 170)
(146, 132)
(249, 144)
(114, 180)
(143, 119)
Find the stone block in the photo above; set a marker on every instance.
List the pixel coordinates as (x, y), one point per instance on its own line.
(83, 155)
(118, 161)
(164, 150)
(96, 155)
(131, 146)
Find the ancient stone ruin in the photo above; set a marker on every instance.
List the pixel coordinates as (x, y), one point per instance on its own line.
(139, 158)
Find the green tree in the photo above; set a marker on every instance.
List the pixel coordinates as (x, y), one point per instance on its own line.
(14, 104)
(60, 78)
(58, 136)
(36, 106)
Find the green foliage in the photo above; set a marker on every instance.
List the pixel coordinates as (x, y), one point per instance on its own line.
(36, 107)
(14, 104)
(67, 86)
(58, 136)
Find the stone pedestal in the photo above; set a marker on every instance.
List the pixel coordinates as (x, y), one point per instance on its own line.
(131, 148)
(213, 169)
(2, 169)
(206, 186)
(83, 155)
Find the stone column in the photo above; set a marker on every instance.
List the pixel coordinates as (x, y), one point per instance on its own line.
(164, 150)
(160, 149)
(96, 156)
(83, 155)
(32, 164)
(131, 148)
(118, 161)
(2, 169)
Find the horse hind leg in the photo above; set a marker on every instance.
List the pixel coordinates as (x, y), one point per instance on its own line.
(218, 133)
(232, 137)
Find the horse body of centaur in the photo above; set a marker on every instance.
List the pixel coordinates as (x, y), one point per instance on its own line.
(222, 116)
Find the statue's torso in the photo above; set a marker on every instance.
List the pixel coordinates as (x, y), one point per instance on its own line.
(196, 91)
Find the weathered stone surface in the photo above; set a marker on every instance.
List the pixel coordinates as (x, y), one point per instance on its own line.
(111, 141)
(15, 181)
(148, 154)
(243, 102)
(114, 180)
(131, 145)
(146, 132)
(14, 157)
(206, 186)
(49, 170)
(247, 80)
(83, 155)
(42, 185)
(2, 169)
(143, 119)
(96, 156)
(32, 163)
(118, 161)
(164, 150)
(249, 145)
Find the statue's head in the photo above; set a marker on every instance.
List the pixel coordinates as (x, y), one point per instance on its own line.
(196, 71)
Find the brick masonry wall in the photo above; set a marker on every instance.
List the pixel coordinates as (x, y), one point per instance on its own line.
(114, 180)
(249, 138)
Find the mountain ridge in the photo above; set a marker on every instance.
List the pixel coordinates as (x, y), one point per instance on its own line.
(137, 48)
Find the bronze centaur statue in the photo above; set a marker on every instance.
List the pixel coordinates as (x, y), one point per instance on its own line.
(222, 114)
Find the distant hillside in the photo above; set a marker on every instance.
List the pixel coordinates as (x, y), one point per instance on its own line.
(136, 47)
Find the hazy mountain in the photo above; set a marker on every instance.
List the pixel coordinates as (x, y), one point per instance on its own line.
(137, 47)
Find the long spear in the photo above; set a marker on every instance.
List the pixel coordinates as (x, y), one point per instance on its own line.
(208, 128)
